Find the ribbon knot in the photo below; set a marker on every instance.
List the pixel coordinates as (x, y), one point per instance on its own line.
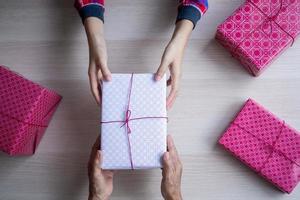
(126, 121)
(271, 146)
(269, 20)
(272, 18)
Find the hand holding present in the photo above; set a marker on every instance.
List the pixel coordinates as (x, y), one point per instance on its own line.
(98, 69)
(171, 172)
(100, 181)
(172, 58)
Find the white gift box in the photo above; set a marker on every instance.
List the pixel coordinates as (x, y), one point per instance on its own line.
(133, 137)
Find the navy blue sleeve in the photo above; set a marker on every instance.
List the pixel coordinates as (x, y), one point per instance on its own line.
(189, 13)
(92, 10)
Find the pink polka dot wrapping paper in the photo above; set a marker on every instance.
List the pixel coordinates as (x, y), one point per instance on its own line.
(266, 144)
(259, 31)
(144, 147)
(26, 109)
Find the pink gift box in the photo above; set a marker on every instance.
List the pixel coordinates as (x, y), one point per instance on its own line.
(259, 31)
(266, 144)
(25, 112)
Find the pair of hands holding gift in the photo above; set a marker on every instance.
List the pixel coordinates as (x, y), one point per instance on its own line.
(171, 59)
(101, 181)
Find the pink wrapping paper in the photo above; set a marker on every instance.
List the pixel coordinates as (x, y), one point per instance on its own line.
(259, 31)
(266, 144)
(25, 112)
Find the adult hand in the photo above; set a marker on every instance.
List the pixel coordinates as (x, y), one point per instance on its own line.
(171, 173)
(172, 58)
(100, 181)
(98, 69)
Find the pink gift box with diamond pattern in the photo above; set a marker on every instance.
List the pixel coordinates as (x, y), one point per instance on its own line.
(259, 31)
(266, 144)
(25, 112)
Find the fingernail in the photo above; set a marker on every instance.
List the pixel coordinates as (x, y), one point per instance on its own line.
(108, 77)
(157, 77)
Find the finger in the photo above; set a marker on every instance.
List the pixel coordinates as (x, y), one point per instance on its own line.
(94, 83)
(161, 69)
(171, 103)
(99, 158)
(166, 163)
(96, 145)
(170, 143)
(99, 74)
(173, 92)
(93, 154)
(95, 148)
(172, 150)
(105, 72)
(171, 146)
(112, 172)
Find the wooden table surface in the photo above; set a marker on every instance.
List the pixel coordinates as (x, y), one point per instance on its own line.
(45, 41)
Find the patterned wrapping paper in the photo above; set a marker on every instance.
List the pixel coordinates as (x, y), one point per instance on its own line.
(266, 144)
(259, 31)
(25, 112)
(147, 141)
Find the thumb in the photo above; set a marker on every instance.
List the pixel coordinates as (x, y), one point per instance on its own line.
(161, 70)
(166, 162)
(98, 159)
(105, 72)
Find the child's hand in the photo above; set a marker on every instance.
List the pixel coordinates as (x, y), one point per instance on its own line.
(100, 181)
(172, 171)
(98, 69)
(172, 58)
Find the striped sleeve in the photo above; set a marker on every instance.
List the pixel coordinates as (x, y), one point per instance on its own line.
(90, 8)
(191, 10)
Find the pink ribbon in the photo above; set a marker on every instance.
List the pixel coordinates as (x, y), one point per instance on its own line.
(125, 122)
(30, 123)
(21, 121)
(269, 20)
(271, 146)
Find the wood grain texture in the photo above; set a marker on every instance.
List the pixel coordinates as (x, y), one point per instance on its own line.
(44, 40)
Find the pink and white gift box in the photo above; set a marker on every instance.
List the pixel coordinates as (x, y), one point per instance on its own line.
(25, 112)
(259, 31)
(134, 122)
(266, 144)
